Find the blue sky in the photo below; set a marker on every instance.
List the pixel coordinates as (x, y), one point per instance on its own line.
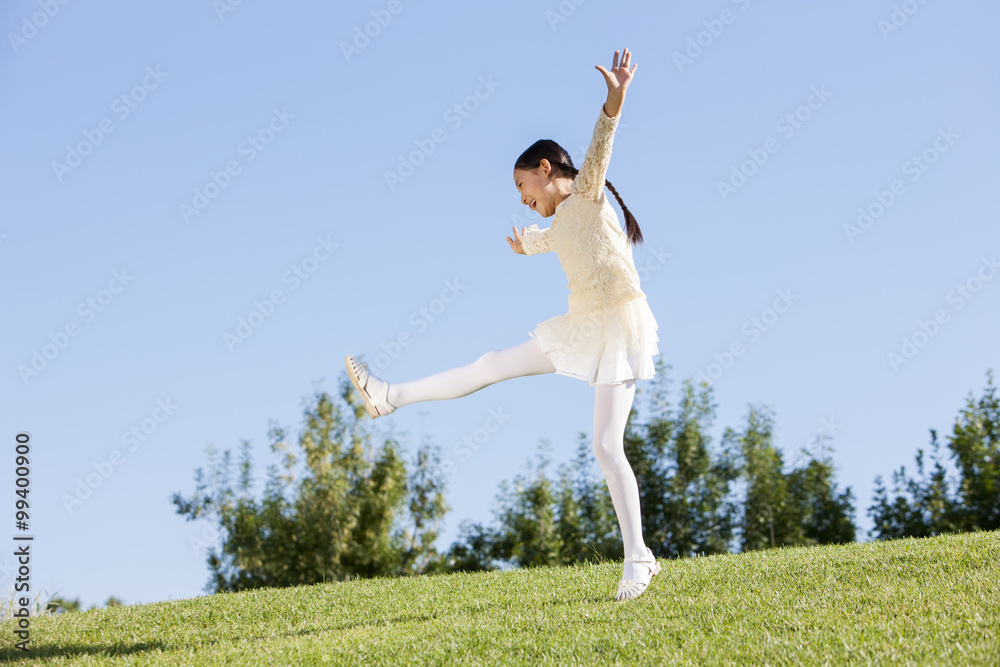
(168, 164)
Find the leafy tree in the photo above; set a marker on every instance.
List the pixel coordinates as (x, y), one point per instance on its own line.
(542, 521)
(528, 533)
(975, 446)
(474, 550)
(588, 527)
(684, 483)
(922, 506)
(826, 515)
(350, 512)
(59, 605)
(797, 508)
(935, 502)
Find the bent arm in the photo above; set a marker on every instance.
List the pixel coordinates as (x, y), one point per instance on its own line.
(537, 240)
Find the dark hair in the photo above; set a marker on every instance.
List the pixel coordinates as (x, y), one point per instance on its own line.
(558, 157)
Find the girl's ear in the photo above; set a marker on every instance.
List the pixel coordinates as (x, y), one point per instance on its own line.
(545, 166)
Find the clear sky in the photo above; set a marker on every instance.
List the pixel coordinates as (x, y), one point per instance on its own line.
(168, 165)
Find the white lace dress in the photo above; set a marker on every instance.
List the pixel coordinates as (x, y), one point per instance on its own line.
(609, 333)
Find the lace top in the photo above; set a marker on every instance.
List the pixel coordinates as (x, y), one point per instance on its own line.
(592, 248)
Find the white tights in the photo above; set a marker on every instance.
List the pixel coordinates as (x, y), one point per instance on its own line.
(612, 403)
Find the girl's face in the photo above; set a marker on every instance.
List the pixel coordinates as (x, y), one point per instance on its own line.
(542, 188)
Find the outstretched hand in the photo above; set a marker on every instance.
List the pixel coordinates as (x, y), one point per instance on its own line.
(515, 243)
(619, 78)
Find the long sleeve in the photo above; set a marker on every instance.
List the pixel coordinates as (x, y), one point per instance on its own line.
(589, 182)
(536, 240)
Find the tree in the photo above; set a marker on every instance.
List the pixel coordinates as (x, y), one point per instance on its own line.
(922, 506)
(528, 533)
(936, 502)
(588, 527)
(60, 605)
(352, 512)
(684, 483)
(975, 446)
(827, 516)
(797, 508)
(541, 521)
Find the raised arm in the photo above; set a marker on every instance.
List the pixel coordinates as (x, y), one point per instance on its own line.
(589, 182)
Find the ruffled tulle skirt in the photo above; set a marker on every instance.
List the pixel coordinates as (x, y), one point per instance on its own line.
(604, 346)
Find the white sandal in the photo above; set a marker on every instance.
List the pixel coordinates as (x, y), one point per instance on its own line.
(377, 406)
(629, 589)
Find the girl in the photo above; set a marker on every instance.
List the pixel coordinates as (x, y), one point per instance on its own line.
(607, 338)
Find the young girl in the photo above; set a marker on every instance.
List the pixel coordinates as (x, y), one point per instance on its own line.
(608, 336)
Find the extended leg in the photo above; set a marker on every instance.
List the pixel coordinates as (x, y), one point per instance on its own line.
(523, 359)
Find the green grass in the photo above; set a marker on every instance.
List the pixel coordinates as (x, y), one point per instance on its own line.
(926, 601)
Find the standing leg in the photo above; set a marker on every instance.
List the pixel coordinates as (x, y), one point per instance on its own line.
(526, 358)
(612, 403)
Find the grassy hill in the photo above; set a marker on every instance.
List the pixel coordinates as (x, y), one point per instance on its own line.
(926, 601)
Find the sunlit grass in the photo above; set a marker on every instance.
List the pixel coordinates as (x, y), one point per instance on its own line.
(927, 601)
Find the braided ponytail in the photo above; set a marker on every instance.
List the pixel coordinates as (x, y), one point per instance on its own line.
(631, 226)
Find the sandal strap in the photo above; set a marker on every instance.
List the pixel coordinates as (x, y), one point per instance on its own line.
(361, 371)
(649, 560)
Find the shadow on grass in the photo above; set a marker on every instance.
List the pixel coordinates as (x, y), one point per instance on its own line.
(408, 618)
(71, 650)
(115, 650)
(350, 625)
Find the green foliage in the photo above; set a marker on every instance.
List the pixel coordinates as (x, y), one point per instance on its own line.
(543, 521)
(58, 605)
(351, 512)
(934, 502)
(797, 508)
(684, 484)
